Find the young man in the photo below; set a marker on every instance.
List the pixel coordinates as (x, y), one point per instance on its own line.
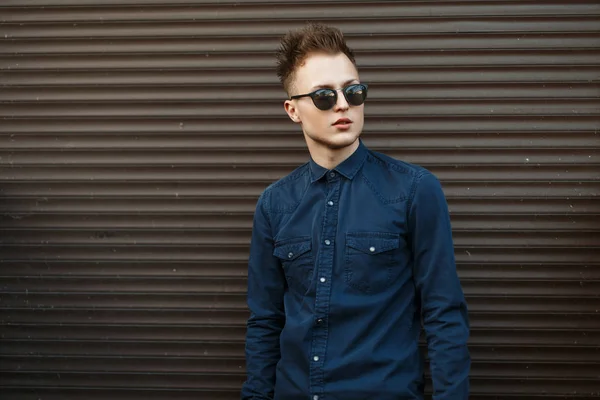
(349, 254)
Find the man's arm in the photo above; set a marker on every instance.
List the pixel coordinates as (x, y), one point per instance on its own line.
(443, 305)
(266, 285)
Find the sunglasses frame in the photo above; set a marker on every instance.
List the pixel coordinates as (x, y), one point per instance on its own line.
(312, 95)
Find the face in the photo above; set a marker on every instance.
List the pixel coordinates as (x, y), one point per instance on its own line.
(324, 128)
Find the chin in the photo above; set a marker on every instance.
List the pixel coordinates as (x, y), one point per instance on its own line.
(340, 145)
(343, 139)
(336, 140)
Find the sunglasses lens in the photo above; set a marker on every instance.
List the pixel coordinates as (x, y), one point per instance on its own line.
(324, 99)
(356, 94)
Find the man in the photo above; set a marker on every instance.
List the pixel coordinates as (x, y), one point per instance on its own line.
(349, 253)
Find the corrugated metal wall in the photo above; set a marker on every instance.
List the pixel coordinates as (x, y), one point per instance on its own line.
(138, 134)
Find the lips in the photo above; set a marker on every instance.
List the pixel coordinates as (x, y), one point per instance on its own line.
(342, 121)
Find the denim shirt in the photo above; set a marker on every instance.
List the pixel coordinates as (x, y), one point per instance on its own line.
(345, 267)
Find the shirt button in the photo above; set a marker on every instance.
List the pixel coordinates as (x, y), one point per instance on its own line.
(323, 280)
(372, 249)
(315, 397)
(320, 321)
(290, 255)
(332, 174)
(327, 242)
(330, 203)
(316, 358)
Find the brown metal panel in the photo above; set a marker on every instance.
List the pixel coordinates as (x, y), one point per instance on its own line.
(264, 11)
(261, 79)
(131, 161)
(461, 41)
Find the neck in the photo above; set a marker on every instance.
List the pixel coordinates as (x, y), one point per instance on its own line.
(330, 158)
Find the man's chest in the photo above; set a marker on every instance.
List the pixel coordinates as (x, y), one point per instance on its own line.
(355, 238)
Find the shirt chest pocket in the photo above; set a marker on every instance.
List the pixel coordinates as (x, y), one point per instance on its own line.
(297, 261)
(371, 260)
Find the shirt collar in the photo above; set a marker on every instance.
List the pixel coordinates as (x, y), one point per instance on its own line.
(348, 168)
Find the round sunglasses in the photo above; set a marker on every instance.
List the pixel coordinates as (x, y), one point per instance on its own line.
(325, 99)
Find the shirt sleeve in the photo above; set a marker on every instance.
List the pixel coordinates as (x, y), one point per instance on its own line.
(443, 306)
(266, 285)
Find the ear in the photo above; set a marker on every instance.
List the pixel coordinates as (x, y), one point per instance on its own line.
(291, 111)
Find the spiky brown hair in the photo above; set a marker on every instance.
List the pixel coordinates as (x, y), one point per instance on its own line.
(296, 45)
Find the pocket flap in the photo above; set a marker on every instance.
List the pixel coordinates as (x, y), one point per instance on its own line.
(373, 243)
(290, 250)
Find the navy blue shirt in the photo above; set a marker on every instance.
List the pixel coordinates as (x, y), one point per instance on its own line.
(345, 266)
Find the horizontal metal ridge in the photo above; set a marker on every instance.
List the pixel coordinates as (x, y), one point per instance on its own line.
(220, 163)
(565, 181)
(568, 270)
(168, 253)
(235, 227)
(161, 3)
(207, 45)
(265, 11)
(257, 28)
(265, 76)
(178, 286)
(542, 305)
(142, 384)
(277, 123)
(432, 58)
(224, 349)
(200, 318)
(170, 140)
(180, 367)
(190, 192)
(222, 237)
(393, 91)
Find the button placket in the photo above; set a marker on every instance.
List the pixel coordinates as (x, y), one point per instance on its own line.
(324, 266)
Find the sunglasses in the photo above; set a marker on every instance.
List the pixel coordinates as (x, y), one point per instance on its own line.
(325, 99)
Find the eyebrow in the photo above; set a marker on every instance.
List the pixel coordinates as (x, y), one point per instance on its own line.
(326, 86)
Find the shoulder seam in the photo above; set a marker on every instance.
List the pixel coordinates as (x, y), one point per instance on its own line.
(297, 174)
(300, 172)
(413, 188)
(398, 165)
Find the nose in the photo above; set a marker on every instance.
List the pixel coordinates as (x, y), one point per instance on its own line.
(341, 104)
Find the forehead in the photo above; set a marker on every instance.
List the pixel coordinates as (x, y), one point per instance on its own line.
(321, 69)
